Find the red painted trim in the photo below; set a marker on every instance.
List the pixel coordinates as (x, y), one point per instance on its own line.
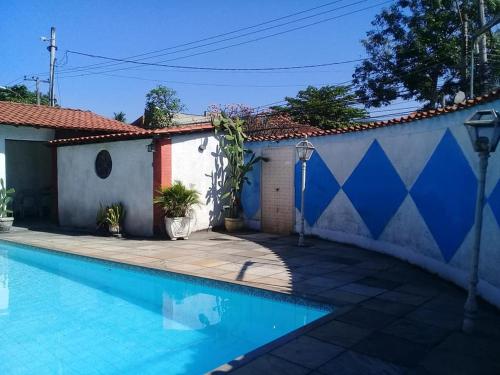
(55, 197)
(162, 177)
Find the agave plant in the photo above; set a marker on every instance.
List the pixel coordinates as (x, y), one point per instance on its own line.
(101, 216)
(5, 199)
(110, 217)
(115, 215)
(177, 200)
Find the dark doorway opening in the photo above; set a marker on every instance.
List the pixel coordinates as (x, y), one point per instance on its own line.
(29, 171)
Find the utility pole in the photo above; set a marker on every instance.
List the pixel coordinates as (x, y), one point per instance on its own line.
(483, 57)
(52, 49)
(495, 21)
(464, 21)
(37, 81)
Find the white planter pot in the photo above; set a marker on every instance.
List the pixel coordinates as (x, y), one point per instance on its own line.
(178, 227)
(6, 224)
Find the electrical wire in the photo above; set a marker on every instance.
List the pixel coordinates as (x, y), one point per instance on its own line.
(224, 47)
(203, 83)
(208, 67)
(220, 35)
(242, 35)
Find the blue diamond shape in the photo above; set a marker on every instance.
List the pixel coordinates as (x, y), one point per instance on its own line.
(375, 189)
(445, 195)
(321, 187)
(250, 194)
(494, 202)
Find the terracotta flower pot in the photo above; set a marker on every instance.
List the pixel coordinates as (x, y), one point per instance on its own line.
(233, 224)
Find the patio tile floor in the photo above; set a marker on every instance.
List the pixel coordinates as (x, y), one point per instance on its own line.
(392, 317)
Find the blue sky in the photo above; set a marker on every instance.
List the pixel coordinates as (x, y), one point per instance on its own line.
(127, 28)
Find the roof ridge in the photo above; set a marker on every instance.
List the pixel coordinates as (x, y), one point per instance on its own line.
(44, 106)
(141, 132)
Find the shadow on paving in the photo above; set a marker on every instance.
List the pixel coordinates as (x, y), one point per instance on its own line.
(391, 317)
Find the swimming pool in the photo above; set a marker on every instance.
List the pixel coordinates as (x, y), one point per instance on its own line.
(65, 314)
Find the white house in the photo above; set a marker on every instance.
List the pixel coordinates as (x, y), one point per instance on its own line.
(137, 165)
(26, 163)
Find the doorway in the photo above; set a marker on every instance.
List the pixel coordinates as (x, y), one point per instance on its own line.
(29, 172)
(278, 190)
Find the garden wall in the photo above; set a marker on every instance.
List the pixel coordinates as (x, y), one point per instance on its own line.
(408, 190)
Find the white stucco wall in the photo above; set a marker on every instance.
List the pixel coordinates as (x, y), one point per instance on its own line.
(130, 182)
(200, 170)
(23, 133)
(406, 235)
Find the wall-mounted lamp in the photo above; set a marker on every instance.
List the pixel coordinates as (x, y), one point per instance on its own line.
(151, 147)
(203, 145)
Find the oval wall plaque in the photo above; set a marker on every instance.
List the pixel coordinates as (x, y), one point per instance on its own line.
(103, 164)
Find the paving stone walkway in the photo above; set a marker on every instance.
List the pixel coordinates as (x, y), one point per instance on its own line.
(392, 317)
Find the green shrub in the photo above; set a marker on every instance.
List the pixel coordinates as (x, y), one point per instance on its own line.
(177, 200)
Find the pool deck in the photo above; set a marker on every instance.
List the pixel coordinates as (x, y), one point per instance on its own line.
(392, 317)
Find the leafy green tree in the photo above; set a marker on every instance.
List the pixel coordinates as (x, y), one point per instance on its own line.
(162, 104)
(21, 94)
(120, 116)
(324, 107)
(417, 50)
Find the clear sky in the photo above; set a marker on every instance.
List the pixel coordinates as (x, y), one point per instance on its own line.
(127, 28)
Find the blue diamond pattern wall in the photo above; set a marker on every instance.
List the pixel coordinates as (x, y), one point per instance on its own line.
(250, 195)
(375, 189)
(321, 187)
(494, 202)
(445, 195)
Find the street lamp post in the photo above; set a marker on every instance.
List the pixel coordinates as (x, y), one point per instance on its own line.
(484, 131)
(305, 150)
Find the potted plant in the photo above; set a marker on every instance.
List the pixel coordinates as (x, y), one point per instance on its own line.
(111, 218)
(240, 161)
(177, 202)
(5, 198)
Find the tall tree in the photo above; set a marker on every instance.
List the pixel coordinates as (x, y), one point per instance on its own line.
(120, 116)
(418, 50)
(162, 104)
(21, 94)
(324, 107)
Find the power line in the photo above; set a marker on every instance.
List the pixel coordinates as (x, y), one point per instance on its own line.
(234, 37)
(14, 81)
(202, 83)
(225, 47)
(218, 35)
(210, 68)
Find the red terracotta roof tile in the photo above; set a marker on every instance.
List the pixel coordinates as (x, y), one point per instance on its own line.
(275, 125)
(19, 114)
(283, 128)
(378, 124)
(192, 128)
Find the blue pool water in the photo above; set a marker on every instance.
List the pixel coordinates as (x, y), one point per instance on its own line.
(62, 314)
